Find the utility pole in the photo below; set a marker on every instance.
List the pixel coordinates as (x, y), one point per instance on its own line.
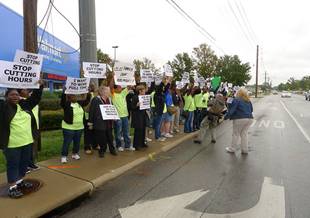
(30, 26)
(114, 47)
(88, 38)
(265, 81)
(256, 85)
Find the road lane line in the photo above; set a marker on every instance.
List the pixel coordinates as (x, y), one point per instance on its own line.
(296, 122)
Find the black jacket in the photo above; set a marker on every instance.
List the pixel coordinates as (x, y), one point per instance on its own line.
(8, 111)
(68, 110)
(95, 116)
(159, 99)
(139, 117)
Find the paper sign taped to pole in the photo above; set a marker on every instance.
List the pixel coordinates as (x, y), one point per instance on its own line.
(108, 112)
(17, 75)
(124, 74)
(77, 86)
(168, 70)
(28, 58)
(146, 75)
(95, 70)
(145, 102)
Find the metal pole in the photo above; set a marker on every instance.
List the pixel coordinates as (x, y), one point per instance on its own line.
(30, 25)
(88, 39)
(256, 86)
(115, 47)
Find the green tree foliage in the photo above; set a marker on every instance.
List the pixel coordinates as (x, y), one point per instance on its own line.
(231, 69)
(103, 57)
(180, 64)
(205, 60)
(296, 85)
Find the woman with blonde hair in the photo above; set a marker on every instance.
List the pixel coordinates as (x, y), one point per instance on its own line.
(241, 113)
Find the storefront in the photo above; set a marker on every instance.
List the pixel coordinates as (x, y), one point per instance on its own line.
(60, 61)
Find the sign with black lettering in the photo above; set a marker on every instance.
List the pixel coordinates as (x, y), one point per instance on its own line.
(77, 86)
(147, 75)
(108, 112)
(168, 70)
(28, 58)
(124, 74)
(17, 75)
(94, 70)
(145, 102)
(179, 84)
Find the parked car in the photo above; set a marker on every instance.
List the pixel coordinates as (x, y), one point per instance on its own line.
(307, 95)
(286, 94)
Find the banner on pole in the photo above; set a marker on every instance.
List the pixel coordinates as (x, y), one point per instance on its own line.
(95, 70)
(28, 58)
(108, 112)
(124, 74)
(145, 102)
(77, 86)
(17, 75)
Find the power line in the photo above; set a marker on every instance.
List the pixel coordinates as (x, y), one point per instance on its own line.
(44, 29)
(46, 12)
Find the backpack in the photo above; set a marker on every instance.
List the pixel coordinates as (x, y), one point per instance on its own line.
(217, 106)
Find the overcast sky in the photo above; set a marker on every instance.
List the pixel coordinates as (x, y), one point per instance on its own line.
(153, 29)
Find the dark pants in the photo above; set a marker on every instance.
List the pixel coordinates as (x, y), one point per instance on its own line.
(197, 119)
(17, 161)
(156, 125)
(36, 146)
(88, 138)
(104, 138)
(69, 136)
(139, 138)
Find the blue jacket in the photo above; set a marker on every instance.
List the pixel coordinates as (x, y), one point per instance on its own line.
(240, 109)
(169, 101)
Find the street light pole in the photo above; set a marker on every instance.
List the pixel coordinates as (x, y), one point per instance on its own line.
(115, 47)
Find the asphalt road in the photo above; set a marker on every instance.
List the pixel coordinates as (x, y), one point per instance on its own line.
(204, 181)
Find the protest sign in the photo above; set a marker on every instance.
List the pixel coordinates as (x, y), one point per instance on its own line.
(158, 78)
(168, 70)
(185, 78)
(28, 58)
(230, 85)
(147, 75)
(179, 84)
(145, 102)
(108, 112)
(94, 70)
(17, 75)
(124, 74)
(77, 86)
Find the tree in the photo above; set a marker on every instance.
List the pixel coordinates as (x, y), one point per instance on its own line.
(205, 60)
(232, 70)
(180, 64)
(143, 64)
(103, 57)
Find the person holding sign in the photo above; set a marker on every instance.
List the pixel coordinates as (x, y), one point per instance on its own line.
(72, 124)
(102, 128)
(189, 108)
(17, 132)
(139, 118)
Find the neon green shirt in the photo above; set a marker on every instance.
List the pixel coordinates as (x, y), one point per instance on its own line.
(35, 112)
(152, 98)
(198, 100)
(189, 103)
(165, 108)
(119, 101)
(78, 115)
(205, 100)
(20, 129)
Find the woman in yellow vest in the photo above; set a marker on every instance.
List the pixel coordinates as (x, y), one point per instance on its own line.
(17, 132)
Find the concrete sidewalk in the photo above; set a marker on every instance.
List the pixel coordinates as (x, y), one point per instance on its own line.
(62, 185)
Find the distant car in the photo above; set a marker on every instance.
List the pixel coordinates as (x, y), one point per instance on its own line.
(307, 95)
(286, 95)
(274, 92)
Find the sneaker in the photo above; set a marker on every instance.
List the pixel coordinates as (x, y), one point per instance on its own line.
(120, 149)
(213, 141)
(168, 135)
(64, 160)
(33, 167)
(161, 139)
(76, 156)
(230, 150)
(15, 193)
(131, 148)
(24, 184)
(197, 141)
(88, 152)
(244, 152)
(113, 152)
(28, 170)
(148, 139)
(177, 131)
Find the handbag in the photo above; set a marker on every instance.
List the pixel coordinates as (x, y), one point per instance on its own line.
(171, 110)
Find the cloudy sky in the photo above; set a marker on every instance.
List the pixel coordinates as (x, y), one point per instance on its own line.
(154, 29)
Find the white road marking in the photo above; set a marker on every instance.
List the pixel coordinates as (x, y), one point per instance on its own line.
(270, 205)
(264, 123)
(296, 122)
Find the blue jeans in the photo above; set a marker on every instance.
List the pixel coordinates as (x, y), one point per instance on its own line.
(69, 136)
(17, 161)
(188, 122)
(197, 119)
(122, 128)
(157, 123)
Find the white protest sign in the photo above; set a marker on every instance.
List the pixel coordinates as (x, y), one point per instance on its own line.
(77, 86)
(145, 102)
(158, 79)
(124, 74)
(16, 75)
(230, 85)
(168, 70)
(94, 70)
(185, 78)
(179, 84)
(28, 58)
(108, 112)
(146, 75)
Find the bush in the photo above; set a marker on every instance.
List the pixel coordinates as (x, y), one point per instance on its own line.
(51, 95)
(51, 120)
(50, 104)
